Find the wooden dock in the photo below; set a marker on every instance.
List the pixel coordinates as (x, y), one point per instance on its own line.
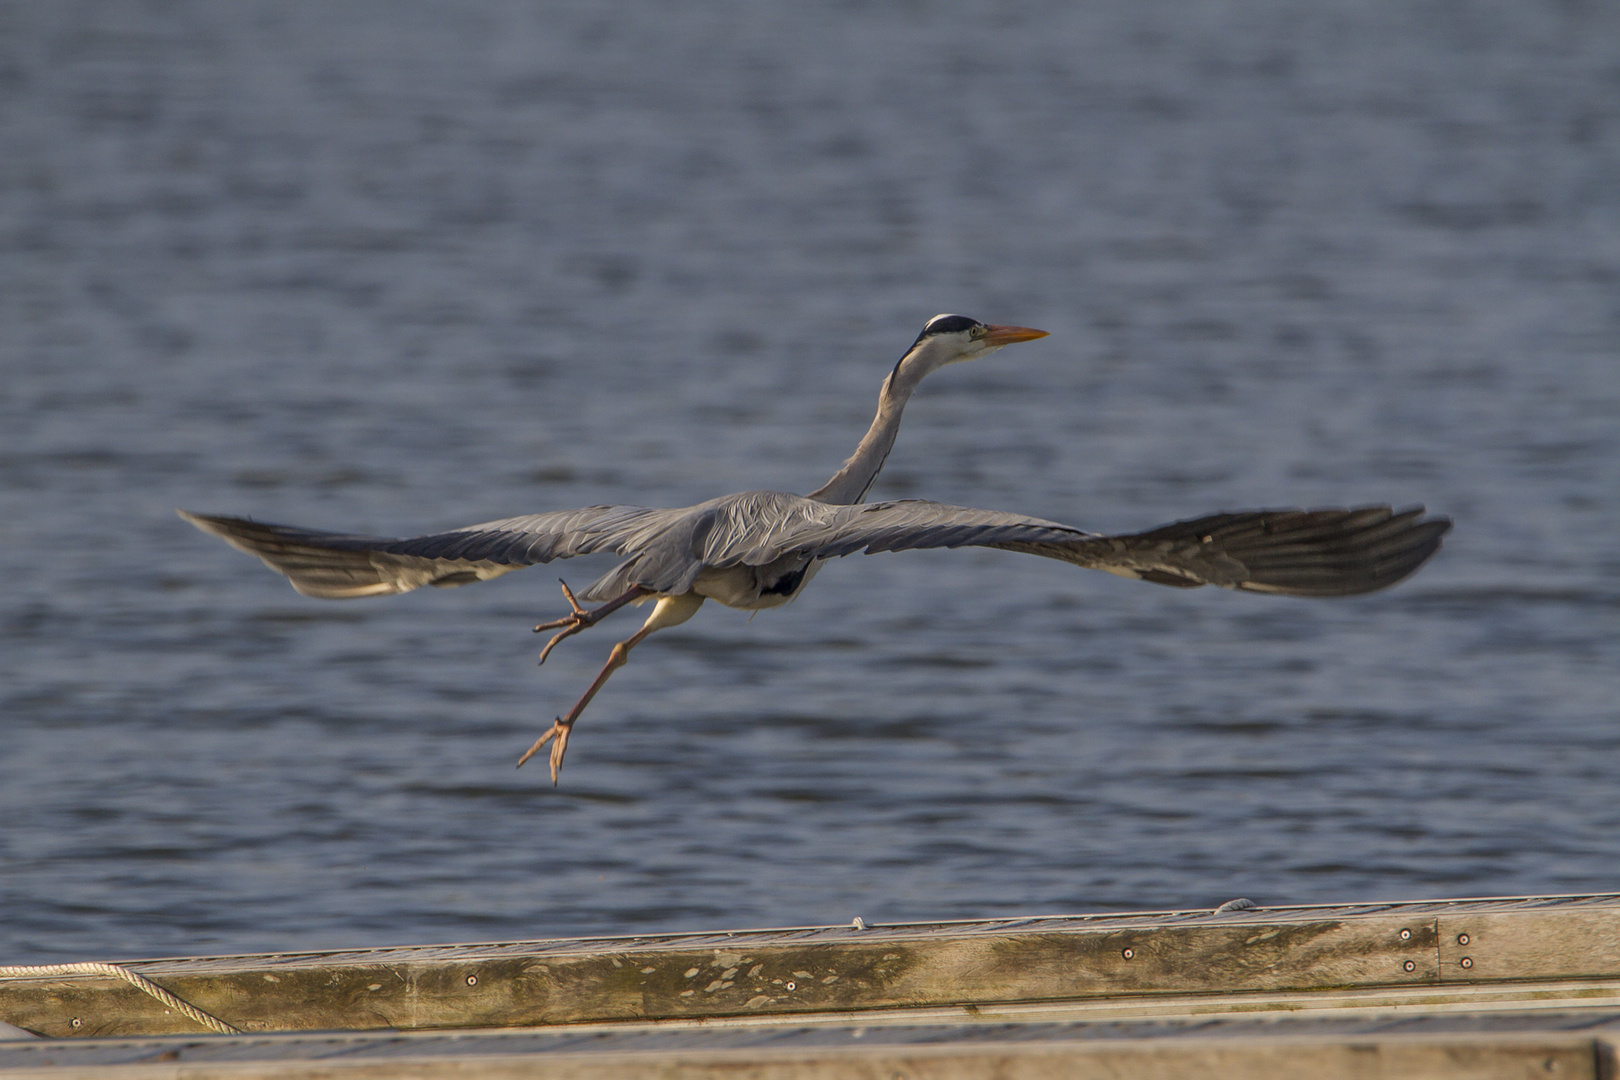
(1506, 987)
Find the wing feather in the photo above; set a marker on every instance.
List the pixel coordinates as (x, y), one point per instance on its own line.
(345, 565)
(1293, 552)
(1288, 552)
(806, 528)
(1329, 552)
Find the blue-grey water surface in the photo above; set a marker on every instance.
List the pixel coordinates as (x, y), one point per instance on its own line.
(398, 267)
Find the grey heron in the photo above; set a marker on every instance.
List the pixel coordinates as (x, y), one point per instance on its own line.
(759, 549)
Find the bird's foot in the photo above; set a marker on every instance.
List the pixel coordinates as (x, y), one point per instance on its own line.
(571, 624)
(558, 737)
(580, 619)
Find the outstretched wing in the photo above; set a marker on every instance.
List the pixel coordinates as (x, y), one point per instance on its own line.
(1288, 552)
(1291, 552)
(344, 565)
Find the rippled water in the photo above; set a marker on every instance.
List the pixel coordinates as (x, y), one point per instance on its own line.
(400, 267)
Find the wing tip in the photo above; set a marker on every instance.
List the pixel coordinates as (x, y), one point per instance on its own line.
(1398, 543)
(214, 524)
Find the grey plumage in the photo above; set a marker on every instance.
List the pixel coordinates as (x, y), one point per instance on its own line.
(758, 549)
(1289, 552)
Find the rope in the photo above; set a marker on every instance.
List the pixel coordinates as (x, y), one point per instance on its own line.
(139, 981)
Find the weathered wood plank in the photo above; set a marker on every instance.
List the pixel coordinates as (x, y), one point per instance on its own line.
(839, 970)
(1539, 1056)
(1529, 944)
(775, 979)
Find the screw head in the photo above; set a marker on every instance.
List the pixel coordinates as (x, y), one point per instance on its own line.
(1128, 953)
(472, 980)
(1462, 939)
(1406, 935)
(76, 1022)
(1467, 962)
(792, 985)
(1410, 965)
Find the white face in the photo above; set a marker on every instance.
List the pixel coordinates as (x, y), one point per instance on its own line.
(953, 339)
(970, 343)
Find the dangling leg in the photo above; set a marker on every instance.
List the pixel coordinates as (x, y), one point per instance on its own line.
(669, 611)
(580, 619)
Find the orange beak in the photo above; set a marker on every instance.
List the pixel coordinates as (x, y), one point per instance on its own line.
(1009, 335)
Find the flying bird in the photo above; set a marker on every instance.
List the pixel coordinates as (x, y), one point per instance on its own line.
(759, 549)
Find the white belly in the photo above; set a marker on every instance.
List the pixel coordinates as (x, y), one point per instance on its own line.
(740, 586)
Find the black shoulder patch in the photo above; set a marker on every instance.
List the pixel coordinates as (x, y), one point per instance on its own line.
(784, 585)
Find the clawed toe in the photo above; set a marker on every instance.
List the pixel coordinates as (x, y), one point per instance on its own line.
(558, 732)
(570, 624)
(558, 749)
(552, 644)
(579, 617)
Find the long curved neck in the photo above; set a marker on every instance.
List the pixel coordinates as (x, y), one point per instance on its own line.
(851, 483)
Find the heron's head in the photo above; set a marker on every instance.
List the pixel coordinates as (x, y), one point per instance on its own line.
(951, 339)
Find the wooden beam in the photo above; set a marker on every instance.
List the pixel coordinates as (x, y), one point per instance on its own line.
(1544, 1055)
(1259, 953)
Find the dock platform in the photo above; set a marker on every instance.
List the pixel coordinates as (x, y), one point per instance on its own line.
(1499, 987)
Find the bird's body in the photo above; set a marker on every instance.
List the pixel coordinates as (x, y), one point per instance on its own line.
(758, 549)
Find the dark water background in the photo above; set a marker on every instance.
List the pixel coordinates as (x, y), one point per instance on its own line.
(407, 266)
